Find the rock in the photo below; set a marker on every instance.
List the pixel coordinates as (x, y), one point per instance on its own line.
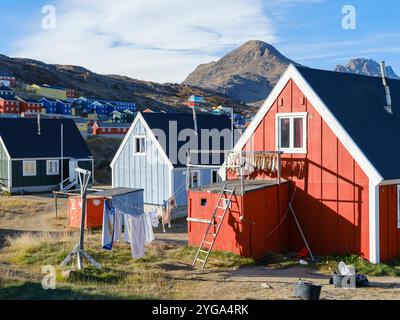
(246, 74)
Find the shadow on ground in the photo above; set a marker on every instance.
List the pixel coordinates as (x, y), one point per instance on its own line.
(34, 291)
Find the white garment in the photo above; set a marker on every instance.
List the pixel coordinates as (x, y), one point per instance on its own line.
(148, 228)
(118, 226)
(155, 221)
(135, 233)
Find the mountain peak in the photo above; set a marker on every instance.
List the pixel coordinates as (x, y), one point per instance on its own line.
(246, 74)
(367, 67)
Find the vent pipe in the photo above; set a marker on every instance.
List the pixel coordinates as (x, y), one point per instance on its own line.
(38, 124)
(388, 105)
(195, 121)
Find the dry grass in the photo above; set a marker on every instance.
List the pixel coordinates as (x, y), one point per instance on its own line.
(11, 205)
(120, 277)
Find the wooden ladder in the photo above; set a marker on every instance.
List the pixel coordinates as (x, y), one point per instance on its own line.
(224, 203)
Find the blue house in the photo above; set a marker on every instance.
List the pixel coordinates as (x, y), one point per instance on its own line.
(64, 107)
(50, 105)
(6, 92)
(153, 158)
(99, 107)
(113, 105)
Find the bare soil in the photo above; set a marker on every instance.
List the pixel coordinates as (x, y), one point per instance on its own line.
(184, 282)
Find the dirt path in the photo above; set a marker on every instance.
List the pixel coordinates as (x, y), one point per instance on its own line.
(250, 282)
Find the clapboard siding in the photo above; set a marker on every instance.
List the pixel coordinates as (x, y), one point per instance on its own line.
(179, 185)
(3, 167)
(150, 172)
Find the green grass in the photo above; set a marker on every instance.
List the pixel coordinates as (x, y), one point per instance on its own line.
(391, 268)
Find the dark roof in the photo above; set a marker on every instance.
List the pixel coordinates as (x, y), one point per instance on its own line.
(52, 87)
(357, 102)
(22, 141)
(7, 98)
(30, 100)
(249, 185)
(185, 121)
(113, 125)
(114, 192)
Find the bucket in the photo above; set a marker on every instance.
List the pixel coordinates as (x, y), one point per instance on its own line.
(307, 291)
(339, 280)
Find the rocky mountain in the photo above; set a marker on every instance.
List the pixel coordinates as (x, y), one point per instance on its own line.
(169, 97)
(367, 67)
(246, 74)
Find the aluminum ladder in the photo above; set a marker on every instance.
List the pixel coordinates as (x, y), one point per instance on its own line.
(224, 203)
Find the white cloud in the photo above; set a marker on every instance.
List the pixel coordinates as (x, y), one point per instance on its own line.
(155, 40)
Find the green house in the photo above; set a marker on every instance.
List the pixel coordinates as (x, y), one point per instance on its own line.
(41, 155)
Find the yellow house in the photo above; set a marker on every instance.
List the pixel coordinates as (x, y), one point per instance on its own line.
(46, 91)
(82, 125)
(93, 116)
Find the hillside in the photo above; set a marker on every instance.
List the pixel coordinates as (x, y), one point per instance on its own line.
(367, 67)
(152, 95)
(246, 74)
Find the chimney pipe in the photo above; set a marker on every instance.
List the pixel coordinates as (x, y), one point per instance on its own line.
(38, 124)
(388, 106)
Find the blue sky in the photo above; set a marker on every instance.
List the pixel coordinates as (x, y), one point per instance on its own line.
(165, 40)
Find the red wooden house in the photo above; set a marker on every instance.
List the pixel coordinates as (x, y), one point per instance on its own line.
(339, 138)
(9, 105)
(28, 106)
(110, 129)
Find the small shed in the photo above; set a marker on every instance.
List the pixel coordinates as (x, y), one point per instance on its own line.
(255, 223)
(95, 206)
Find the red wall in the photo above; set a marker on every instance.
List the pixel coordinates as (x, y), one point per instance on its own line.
(388, 232)
(32, 107)
(263, 228)
(12, 106)
(331, 200)
(114, 131)
(94, 213)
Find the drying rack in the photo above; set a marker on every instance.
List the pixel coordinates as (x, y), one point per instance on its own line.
(241, 167)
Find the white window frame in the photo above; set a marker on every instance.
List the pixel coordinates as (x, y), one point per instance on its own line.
(192, 173)
(291, 117)
(218, 177)
(140, 153)
(29, 174)
(398, 206)
(48, 167)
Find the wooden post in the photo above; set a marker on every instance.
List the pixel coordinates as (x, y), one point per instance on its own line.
(55, 205)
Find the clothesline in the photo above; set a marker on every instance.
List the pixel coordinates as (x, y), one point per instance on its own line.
(138, 227)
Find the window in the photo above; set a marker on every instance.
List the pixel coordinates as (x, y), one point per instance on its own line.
(291, 132)
(52, 168)
(140, 145)
(215, 176)
(398, 206)
(194, 179)
(29, 168)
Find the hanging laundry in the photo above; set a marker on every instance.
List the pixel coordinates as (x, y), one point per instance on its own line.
(128, 204)
(135, 233)
(166, 216)
(118, 226)
(155, 221)
(167, 211)
(148, 228)
(108, 225)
